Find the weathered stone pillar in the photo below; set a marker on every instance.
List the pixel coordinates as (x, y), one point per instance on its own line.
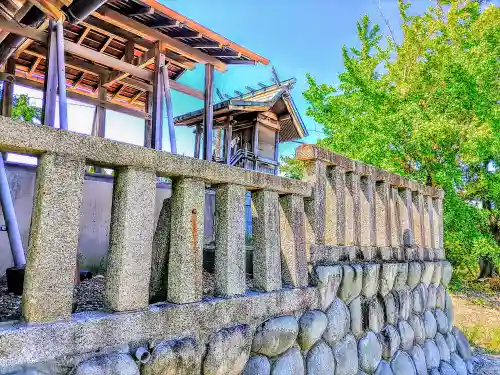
(131, 240)
(418, 222)
(51, 262)
(428, 229)
(316, 206)
(335, 218)
(230, 240)
(383, 218)
(352, 209)
(405, 211)
(396, 234)
(266, 241)
(185, 264)
(159, 258)
(293, 247)
(437, 219)
(367, 213)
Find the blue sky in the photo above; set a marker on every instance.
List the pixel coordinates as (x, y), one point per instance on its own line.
(298, 36)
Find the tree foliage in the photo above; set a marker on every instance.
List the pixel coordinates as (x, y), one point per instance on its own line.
(427, 108)
(23, 110)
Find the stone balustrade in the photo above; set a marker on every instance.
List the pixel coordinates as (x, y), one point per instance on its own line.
(358, 212)
(349, 275)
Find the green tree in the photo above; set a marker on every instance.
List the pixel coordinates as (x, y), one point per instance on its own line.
(23, 110)
(427, 108)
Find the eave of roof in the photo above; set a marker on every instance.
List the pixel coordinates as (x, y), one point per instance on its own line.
(205, 31)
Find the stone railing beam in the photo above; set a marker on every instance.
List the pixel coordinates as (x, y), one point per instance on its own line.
(17, 136)
(52, 253)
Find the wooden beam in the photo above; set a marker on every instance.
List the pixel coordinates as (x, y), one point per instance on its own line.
(174, 85)
(138, 28)
(106, 44)
(83, 35)
(78, 81)
(81, 96)
(118, 92)
(136, 97)
(8, 90)
(34, 65)
(111, 30)
(208, 112)
(50, 9)
(162, 9)
(79, 50)
(17, 18)
(141, 61)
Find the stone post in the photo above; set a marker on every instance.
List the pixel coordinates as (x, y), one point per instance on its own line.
(293, 247)
(418, 222)
(335, 222)
(316, 206)
(428, 229)
(230, 252)
(396, 234)
(266, 241)
(367, 212)
(51, 262)
(437, 219)
(383, 218)
(185, 264)
(131, 240)
(352, 209)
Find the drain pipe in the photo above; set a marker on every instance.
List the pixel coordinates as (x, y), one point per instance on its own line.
(9, 214)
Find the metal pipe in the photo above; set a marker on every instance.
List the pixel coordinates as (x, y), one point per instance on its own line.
(142, 354)
(9, 214)
(81, 9)
(61, 75)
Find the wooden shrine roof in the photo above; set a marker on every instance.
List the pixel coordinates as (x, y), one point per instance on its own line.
(275, 98)
(106, 31)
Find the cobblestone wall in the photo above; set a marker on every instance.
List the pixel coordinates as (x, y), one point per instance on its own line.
(349, 270)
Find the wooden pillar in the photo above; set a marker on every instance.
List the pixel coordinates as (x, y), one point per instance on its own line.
(50, 84)
(228, 137)
(208, 113)
(197, 141)
(256, 145)
(99, 125)
(8, 89)
(276, 151)
(148, 126)
(157, 120)
(169, 109)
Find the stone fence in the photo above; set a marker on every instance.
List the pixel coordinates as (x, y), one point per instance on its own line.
(348, 269)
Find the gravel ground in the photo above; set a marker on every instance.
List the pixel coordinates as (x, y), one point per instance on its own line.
(89, 296)
(485, 364)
